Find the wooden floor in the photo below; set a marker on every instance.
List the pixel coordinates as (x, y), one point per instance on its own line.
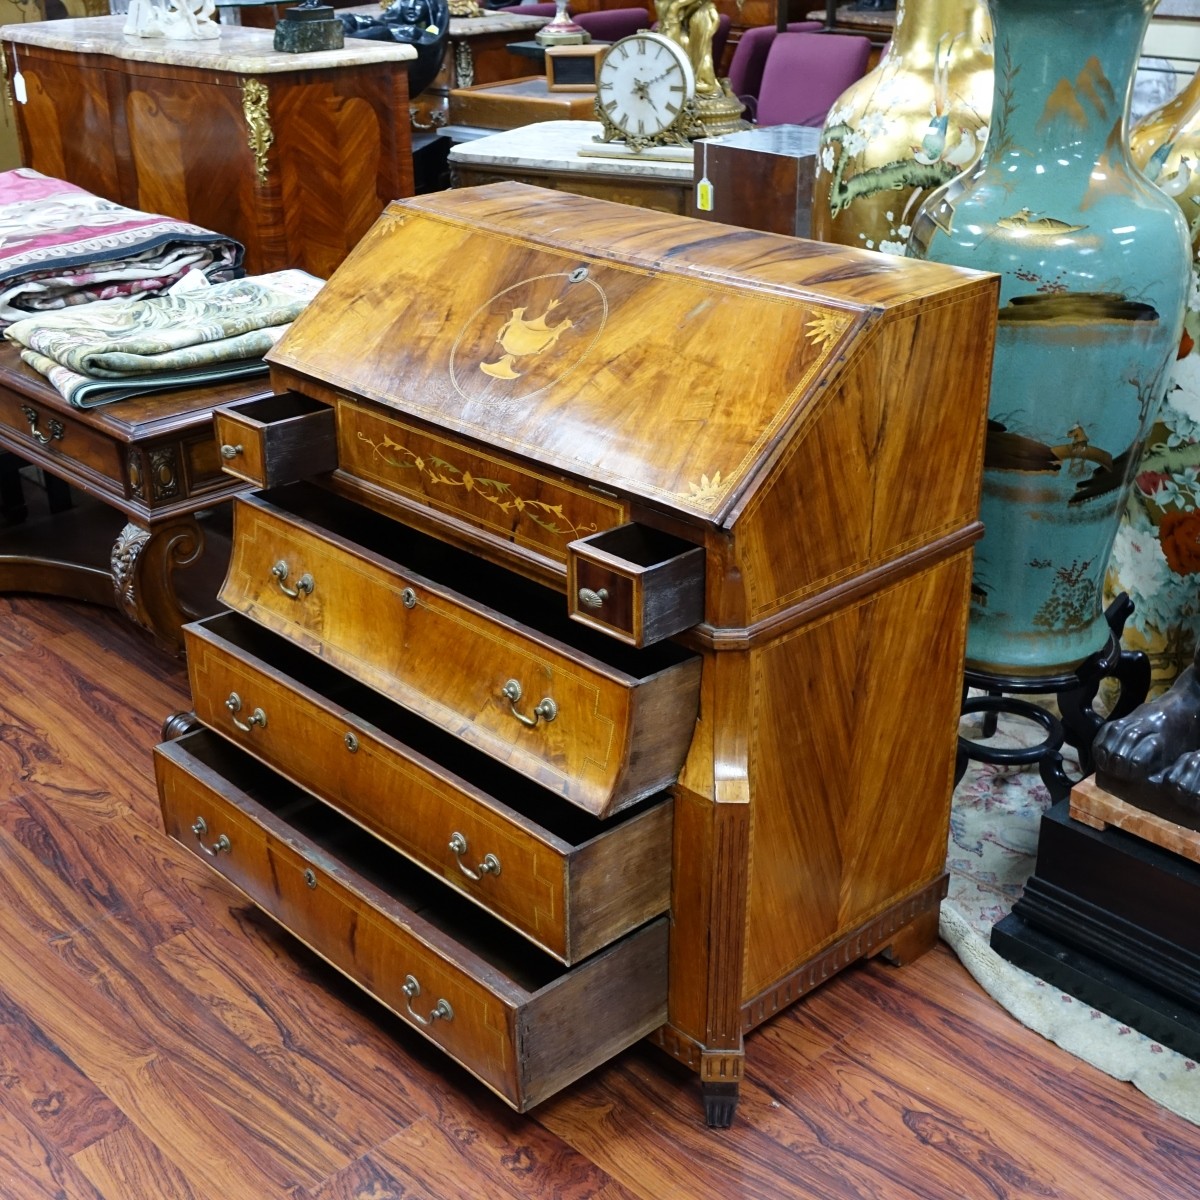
(159, 1041)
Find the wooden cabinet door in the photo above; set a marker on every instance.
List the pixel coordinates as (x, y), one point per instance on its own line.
(69, 126)
(192, 160)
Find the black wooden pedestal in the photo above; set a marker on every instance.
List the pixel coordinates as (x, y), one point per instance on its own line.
(1111, 919)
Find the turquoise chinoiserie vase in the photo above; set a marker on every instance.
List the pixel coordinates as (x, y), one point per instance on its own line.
(1094, 266)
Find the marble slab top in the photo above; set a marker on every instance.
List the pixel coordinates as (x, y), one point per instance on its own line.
(240, 49)
(554, 146)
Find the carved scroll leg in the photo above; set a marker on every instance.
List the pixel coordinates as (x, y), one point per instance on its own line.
(143, 568)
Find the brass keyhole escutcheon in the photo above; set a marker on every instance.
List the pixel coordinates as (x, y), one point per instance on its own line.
(408, 598)
(310, 877)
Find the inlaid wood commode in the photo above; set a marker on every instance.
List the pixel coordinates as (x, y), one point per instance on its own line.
(294, 155)
(601, 679)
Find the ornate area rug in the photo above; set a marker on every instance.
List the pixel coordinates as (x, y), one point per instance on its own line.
(993, 843)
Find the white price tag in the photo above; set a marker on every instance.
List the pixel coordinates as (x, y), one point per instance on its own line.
(704, 189)
(20, 95)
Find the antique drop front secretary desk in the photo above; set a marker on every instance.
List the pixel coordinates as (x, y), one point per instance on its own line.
(593, 663)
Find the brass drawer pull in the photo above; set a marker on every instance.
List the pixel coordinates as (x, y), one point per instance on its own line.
(221, 846)
(56, 427)
(304, 584)
(590, 599)
(545, 709)
(257, 717)
(442, 1011)
(228, 451)
(489, 866)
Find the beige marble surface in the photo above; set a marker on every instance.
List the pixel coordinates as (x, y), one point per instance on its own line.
(239, 49)
(555, 146)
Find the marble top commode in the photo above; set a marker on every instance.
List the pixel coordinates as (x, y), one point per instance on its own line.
(555, 146)
(239, 49)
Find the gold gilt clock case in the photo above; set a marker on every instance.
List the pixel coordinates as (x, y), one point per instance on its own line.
(623, 607)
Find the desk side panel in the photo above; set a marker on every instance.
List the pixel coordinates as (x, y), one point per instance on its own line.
(852, 764)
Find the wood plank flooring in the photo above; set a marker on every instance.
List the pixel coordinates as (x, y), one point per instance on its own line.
(159, 1040)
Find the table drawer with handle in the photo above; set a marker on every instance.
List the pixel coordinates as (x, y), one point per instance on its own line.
(522, 1023)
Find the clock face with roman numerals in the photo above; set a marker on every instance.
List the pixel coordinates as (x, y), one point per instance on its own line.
(642, 86)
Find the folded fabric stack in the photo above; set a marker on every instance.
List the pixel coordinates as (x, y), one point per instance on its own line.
(61, 245)
(114, 349)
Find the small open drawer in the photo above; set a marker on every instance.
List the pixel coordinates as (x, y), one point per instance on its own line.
(636, 583)
(276, 439)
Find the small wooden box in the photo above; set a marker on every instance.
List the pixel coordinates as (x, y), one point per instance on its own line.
(761, 179)
(517, 102)
(637, 584)
(573, 68)
(276, 439)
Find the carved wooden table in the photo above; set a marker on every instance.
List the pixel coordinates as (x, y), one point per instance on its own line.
(294, 155)
(153, 460)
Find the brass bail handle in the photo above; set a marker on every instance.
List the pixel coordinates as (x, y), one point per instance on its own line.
(257, 717)
(304, 584)
(440, 1012)
(489, 866)
(221, 846)
(544, 710)
(56, 427)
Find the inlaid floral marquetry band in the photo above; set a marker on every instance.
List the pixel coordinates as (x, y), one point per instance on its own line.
(258, 123)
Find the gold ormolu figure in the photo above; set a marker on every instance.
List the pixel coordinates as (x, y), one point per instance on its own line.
(692, 25)
(520, 337)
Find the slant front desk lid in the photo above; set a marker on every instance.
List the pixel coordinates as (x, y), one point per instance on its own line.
(665, 358)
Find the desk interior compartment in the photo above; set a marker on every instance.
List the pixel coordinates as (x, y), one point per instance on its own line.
(521, 1022)
(276, 439)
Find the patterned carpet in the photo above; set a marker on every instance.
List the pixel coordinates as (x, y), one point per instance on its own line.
(993, 841)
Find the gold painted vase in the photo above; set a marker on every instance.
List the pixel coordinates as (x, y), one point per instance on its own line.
(911, 124)
(1156, 557)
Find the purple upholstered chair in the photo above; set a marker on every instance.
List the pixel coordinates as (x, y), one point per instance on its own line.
(806, 73)
(612, 24)
(724, 21)
(750, 56)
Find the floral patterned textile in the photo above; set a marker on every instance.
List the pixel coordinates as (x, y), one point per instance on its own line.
(994, 824)
(112, 349)
(61, 245)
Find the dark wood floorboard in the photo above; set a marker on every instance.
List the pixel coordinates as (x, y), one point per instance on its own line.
(159, 1040)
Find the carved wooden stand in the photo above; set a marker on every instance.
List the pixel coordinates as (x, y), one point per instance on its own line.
(1075, 692)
